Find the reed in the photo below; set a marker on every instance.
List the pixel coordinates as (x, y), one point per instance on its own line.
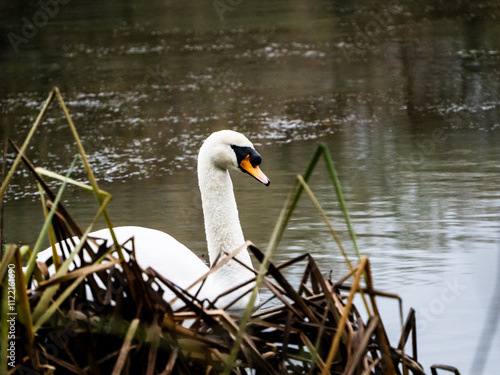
(108, 315)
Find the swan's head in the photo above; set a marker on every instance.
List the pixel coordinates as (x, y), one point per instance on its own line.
(230, 150)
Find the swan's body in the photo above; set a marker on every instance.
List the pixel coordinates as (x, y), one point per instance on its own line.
(221, 152)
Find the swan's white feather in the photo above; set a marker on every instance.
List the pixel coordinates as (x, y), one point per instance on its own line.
(160, 251)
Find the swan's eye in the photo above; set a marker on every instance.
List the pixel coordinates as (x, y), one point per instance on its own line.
(243, 151)
(249, 161)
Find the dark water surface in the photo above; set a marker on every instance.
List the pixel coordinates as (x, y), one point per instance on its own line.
(405, 94)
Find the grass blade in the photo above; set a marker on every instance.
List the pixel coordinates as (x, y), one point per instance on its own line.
(127, 343)
(271, 248)
(42, 313)
(23, 307)
(341, 325)
(88, 169)
(4, 327)
(17, 160)
(49, 293)
(55, 257)
(340, 196)
(43, 232)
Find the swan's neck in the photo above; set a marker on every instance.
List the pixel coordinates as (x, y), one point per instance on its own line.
(222, 223)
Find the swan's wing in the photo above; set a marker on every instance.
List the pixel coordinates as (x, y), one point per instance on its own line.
(162, 252)
(154, 249)
(165, 255)
(168, 257)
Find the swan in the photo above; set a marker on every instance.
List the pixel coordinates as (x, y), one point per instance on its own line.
(220, 153)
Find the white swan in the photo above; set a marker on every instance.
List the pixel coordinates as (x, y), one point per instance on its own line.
(222, 151)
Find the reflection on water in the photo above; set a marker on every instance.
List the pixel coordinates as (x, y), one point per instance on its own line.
(406, 97)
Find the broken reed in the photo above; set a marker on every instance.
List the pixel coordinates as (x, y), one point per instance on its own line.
(109, 316)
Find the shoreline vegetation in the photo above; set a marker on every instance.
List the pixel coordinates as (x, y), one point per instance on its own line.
(100, 312)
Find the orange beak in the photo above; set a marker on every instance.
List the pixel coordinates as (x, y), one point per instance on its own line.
(254, 171)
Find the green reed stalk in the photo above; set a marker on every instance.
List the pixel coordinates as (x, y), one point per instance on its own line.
(48, 221)
(271, 249)
(298, 187)
(90, 173)
(42, 306)
(10, 248)
(333, 174)
(19, 156)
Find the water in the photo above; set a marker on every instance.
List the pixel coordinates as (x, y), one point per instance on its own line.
(405, 95)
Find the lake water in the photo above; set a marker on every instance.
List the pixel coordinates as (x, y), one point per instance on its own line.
(404, 93)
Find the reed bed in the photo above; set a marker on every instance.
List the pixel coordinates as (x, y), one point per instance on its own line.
(101, 313)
